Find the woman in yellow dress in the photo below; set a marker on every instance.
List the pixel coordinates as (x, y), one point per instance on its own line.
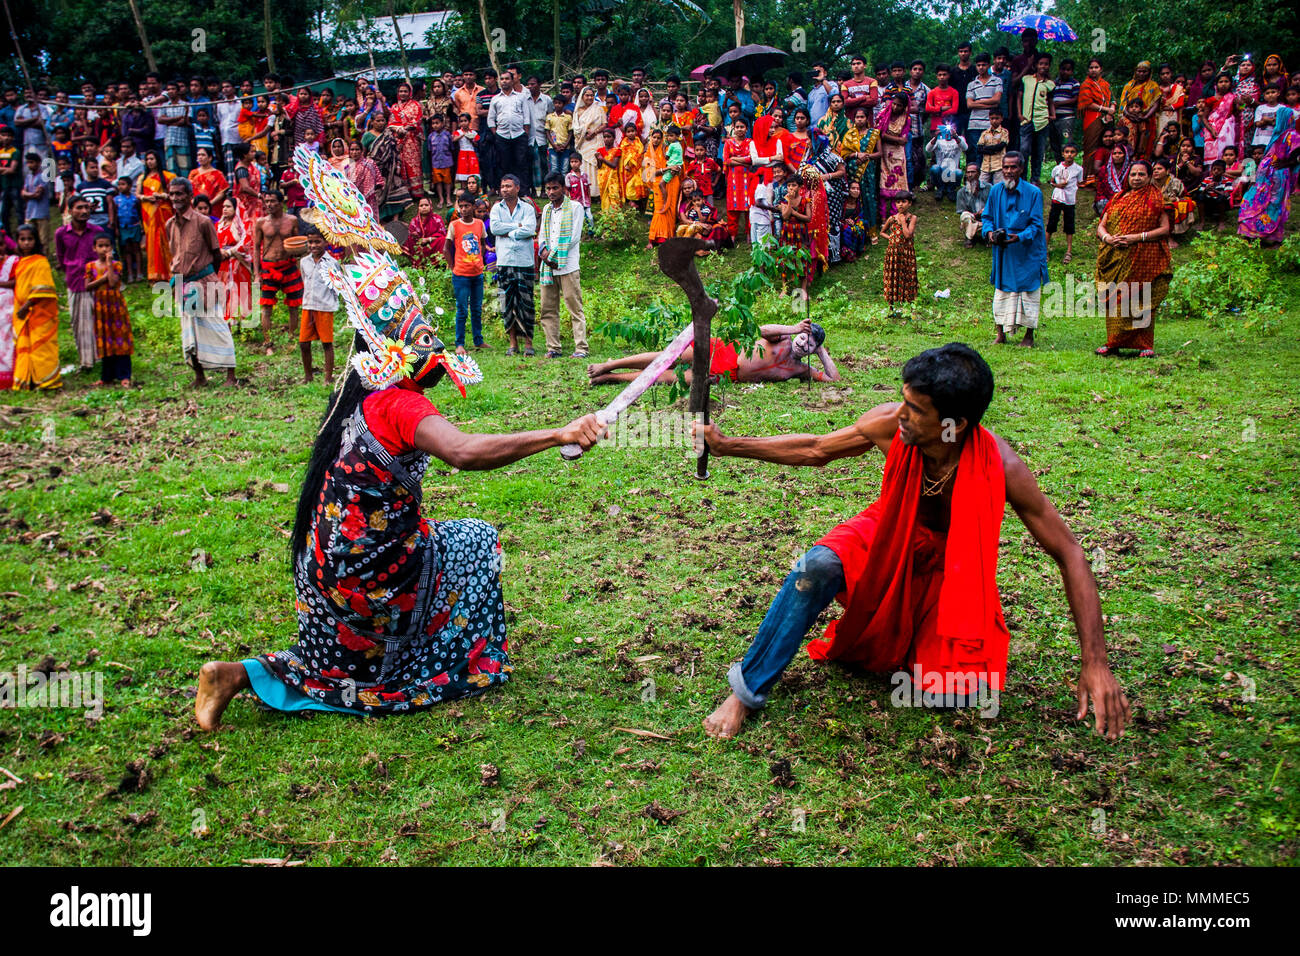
(36, 316)
(634, 188)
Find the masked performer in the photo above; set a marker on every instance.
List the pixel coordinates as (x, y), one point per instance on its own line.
(916, 571)
(781, 353)
(396, 611)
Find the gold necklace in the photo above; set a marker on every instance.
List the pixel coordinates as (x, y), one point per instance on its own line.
(930, 487)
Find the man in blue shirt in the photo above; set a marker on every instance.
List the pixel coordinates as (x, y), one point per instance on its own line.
(1012, 225)
(736, 93)
(819, 95)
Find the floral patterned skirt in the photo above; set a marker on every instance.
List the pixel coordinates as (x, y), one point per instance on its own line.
(462, 649)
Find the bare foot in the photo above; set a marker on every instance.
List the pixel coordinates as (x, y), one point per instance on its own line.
(596, 369)
(219, 682)
(1001, 339)
(724, 723)
(1028, 340)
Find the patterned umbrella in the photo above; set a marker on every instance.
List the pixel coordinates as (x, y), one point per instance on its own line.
(1048, 27)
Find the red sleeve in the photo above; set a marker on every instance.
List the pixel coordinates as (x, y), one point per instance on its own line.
(392, 415)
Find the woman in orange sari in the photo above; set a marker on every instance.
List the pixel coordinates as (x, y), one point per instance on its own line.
(1139, 101)
(36, 317)
(155, 211)
(663, 223)
(1097, 111)
(1133, 265)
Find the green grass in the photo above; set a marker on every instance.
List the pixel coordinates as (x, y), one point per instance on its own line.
(1146, 459)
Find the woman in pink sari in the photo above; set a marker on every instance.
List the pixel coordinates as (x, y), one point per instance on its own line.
(406, 121)
(7, 283)
(895, 129)
(1219, 118)
(365, 175)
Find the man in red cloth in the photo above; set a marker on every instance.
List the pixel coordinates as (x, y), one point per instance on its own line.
(916, 572)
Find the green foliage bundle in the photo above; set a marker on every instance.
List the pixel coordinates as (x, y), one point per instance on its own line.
(1230, 282)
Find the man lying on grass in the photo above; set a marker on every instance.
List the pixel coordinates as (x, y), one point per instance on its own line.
(778, 356)
(916, 571)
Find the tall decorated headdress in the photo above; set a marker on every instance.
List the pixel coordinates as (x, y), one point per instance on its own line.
(381, 303)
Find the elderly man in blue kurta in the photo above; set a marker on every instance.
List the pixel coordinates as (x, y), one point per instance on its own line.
(1013, 226)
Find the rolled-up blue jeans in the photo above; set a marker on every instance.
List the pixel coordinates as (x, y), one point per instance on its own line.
(808, 590)
(469, 298)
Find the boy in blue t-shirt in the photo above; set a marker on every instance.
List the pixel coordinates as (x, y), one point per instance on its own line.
(130, 230)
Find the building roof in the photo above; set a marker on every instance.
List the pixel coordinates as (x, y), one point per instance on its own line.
(380, 32)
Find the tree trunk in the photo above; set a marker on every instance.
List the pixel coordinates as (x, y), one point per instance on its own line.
(555, 39)
(144, 38)
(738, 7)
(266, 34)
(487, 35)
(401, 46)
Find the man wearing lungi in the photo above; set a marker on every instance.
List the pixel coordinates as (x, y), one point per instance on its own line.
(1012, 224)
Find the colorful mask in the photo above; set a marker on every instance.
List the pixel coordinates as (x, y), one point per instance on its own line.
(381, 303)
(384, 307)
(337, 207)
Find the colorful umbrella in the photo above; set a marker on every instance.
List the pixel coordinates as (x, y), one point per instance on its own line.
(1049, 28)
(700, 72)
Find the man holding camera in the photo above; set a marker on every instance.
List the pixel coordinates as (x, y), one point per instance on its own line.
(1012, 224)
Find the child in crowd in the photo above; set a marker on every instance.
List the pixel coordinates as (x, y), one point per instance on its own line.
(579, 186)
(466, 149)
(853, 228)
(464, 250)
(1247, 178)
(1214, 194)
(559, 126)
(991, 145)
(947, 149)
(440, 161)
(113, 336)
(319, 303)
(900, 256)
(1066, 178)
(130, 230)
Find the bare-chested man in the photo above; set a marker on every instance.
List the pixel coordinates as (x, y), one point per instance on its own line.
(916, 571)
(277, 269)
(776, 357)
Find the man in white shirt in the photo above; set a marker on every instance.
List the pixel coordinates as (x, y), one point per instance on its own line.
(319, 303)
(539, 107)
(514, 223)
(228, 124)
(509, 118)
(559, 238)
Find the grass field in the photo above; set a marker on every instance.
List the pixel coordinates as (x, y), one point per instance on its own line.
(146, 532)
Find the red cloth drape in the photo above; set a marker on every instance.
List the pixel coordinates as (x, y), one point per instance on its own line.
(884, 591)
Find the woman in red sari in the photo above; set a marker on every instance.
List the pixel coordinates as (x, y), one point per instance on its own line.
(1133, 265)
(235, 272)
(208, 180)
(738, 162)
(406, 122)
(427, 236)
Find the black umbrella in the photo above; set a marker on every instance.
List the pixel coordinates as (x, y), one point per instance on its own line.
(752, 59)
